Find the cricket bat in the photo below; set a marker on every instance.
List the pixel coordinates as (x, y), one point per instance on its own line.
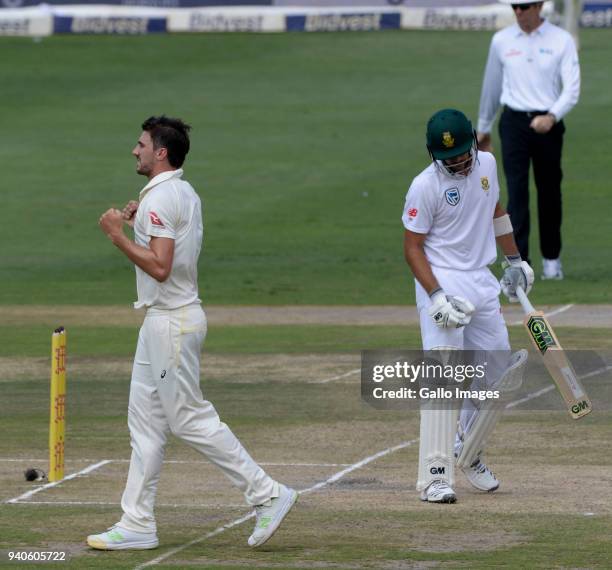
(555, 360)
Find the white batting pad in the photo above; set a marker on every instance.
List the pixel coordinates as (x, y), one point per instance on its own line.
(436, 456)
(485, 418)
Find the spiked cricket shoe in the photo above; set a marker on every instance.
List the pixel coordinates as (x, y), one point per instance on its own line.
(438, 492)
(480, 476)
(271, 514)
(118, 538)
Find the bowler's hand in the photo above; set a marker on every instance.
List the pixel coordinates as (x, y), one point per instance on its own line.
(541, 124)
(129, 212)
(111, 223)
(484, 142)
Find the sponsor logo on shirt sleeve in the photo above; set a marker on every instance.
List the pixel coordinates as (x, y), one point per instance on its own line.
(156, 220)
(412, 213)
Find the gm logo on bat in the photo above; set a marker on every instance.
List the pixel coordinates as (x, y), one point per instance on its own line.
(539, 331)
(577, 408)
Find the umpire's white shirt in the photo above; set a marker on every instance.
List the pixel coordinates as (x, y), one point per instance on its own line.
(530, 72)
(169, 207)
(456, 215)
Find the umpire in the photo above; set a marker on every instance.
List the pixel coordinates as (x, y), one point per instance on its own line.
(533, 71)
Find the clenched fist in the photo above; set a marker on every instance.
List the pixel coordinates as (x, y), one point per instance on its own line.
(111, 222)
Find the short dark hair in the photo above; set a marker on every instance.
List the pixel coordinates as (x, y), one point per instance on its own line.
(171, 134)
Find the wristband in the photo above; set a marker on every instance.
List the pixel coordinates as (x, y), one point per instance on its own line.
(514, 259)
(502, 225)
(435, 292)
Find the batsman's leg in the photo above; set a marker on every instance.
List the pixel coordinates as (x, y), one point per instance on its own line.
(436, 459)
(483, 422)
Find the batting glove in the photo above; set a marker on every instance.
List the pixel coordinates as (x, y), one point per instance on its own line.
(450, 312)
(517, 273)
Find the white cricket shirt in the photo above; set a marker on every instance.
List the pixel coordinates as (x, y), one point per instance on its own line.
(170, 208)
(530, 72)
(456, 215)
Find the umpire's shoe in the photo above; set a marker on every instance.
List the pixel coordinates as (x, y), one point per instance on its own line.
(118, 538)
(438, 492)
(480, 476)
(271, 514)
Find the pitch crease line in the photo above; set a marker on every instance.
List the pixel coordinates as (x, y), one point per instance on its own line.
(116, 504)
(349, 373)
(85, 471)
(551, 387)
(551, 314)
(183, 462)
(335, 477)
(326, 380)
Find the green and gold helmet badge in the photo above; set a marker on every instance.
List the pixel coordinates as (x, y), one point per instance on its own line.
(484, 182)
(447, 139)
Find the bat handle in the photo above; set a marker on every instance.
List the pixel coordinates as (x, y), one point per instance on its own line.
(526, 304)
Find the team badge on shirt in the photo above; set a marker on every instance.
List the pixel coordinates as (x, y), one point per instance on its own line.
(412, 213)
(484, 182)
(156, 220)
(452, 196)
(447, 139)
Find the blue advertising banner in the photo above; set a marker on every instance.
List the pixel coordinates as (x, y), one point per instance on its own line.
(596, 15)
(358, 22)
(110, 25)
(143, 3)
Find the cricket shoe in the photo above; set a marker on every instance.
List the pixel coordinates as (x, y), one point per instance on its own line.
(438, 492)
(270, 515)
(551, 269)
(480, 476)
(118, 538)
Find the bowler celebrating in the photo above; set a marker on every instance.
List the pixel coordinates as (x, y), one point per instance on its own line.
(165, 394)
(452, 219)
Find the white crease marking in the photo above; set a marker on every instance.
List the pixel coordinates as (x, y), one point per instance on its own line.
(46, 486)
(346, 374)
(551, 314)
(335, 477)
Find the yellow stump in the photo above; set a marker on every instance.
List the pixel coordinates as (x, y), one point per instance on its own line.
(57, 423)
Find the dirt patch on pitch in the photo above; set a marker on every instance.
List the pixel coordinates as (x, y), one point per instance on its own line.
(465, 541)
(239, 368)
(599, 316)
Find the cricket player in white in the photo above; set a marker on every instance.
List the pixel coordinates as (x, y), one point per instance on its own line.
(452, 219)
(165, 395)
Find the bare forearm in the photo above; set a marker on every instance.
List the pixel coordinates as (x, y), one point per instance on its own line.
(143, 257)
(421, 269)
(507, 244)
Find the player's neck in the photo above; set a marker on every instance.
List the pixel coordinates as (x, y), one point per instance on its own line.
(162, 168)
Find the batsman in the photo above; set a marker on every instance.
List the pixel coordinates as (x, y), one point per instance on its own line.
(452, 220)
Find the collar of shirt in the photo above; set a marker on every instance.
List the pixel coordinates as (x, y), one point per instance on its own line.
(161, 177)
(540, 30)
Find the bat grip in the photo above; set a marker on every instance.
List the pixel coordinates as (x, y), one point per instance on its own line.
(526, 304)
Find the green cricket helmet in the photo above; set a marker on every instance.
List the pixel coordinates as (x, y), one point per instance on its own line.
(450, 134)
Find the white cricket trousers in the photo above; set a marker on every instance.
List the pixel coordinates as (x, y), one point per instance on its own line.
(165, 397)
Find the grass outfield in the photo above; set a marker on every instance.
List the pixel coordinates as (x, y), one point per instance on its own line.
(303, 148)
(545, 514)
(89, 341)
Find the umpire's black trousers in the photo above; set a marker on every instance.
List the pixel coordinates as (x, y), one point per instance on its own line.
(520, 145)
